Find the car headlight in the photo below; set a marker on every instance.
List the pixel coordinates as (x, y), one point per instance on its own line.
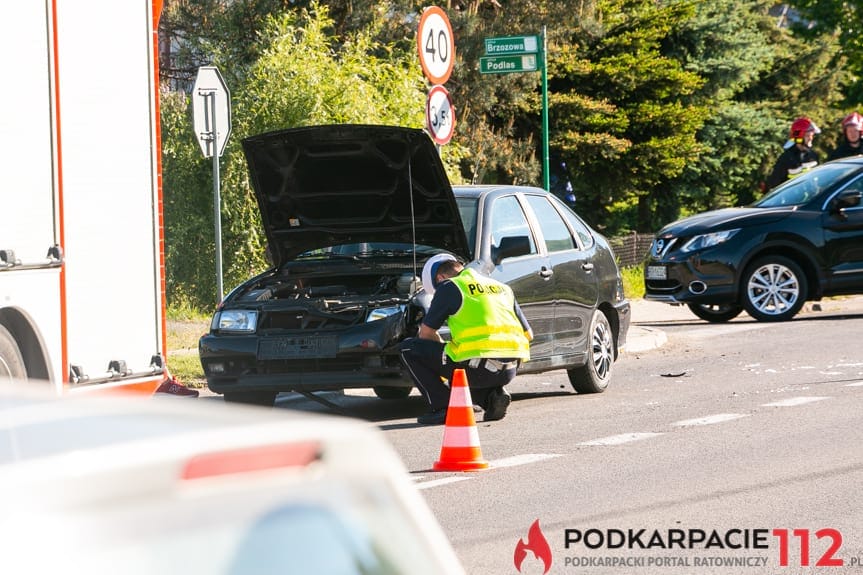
(708, 240)
(239, 320)
(384, 312)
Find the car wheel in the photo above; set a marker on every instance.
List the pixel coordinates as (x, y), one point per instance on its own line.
(11, 361)
(391, 392)
(716, 313)
(264, 398)
(595, 374)
(774, 289)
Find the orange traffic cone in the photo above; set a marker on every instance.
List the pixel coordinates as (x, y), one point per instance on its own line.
(460, 450)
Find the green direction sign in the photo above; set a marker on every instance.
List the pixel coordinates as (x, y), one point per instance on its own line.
(510, 45)
(508, 64)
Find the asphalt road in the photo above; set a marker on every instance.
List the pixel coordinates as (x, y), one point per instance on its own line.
(747, 435)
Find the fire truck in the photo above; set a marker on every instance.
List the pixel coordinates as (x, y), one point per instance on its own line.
(82, 284)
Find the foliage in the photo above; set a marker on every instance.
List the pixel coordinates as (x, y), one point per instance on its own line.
(623, 122)
(658, 108)
(844, 20)
(633, 282)
(301, 77)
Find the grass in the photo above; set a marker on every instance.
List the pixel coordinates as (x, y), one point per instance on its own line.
(182, 339)
(633, 282)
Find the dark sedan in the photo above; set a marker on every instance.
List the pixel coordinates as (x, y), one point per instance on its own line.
(351, 215)
(802, 241)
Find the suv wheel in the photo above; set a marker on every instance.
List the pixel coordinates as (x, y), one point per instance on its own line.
(595, 374)
(716, 313)
(774, 288)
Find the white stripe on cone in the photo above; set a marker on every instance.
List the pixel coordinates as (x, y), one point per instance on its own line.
(460, 397)
(454, 436)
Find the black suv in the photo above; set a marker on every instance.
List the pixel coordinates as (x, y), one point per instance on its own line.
(802, 241)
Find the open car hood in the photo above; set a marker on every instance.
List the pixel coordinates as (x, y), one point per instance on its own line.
(326, 185)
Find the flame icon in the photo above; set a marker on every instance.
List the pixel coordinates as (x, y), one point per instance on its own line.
(537, 543)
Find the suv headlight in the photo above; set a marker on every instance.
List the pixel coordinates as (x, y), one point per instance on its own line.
(238, 320)
(708, 240)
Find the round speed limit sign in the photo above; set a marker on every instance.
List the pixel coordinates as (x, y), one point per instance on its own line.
(436, 45)
(440, 116)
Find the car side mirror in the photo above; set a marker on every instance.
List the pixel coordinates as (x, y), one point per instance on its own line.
(846, 199)
(510, 247)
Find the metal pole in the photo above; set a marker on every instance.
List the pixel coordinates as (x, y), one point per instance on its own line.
(546, 176)
(217, 200)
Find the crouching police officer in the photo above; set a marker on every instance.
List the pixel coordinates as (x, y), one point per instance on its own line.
(489, 338)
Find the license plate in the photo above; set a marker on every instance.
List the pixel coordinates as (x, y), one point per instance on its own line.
(298, 347)
(657, 273)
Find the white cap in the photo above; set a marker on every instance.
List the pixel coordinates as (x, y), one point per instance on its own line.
(430, 270)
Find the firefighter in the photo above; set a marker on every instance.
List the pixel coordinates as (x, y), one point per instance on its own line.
(852, 125)
(798, 155)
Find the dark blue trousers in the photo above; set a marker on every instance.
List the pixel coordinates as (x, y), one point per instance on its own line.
(427, 364)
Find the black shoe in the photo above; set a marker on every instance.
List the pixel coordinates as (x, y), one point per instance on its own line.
(434, 417)
(496, 404)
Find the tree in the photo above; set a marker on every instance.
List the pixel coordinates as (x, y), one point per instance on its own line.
(301, 77)
(623, 120)
(844, 20)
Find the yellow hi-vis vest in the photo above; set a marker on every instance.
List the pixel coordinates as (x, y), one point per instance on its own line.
(485, 325)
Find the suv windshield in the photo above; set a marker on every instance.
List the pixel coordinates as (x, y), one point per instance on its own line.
(801, 189)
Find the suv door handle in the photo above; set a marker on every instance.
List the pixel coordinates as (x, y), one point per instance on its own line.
(546, 273)
(587, 266)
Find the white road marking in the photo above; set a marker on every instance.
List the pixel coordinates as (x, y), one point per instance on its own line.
(794, 401)
(523, 459)
(619, 439)
(442, 481)
(709, 420)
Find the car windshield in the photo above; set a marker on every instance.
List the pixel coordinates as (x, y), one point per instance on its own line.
(366, 249)
(803, 188)
(468, 208)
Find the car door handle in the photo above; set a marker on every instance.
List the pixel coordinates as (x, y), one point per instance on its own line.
(587, 266)
(544, 272)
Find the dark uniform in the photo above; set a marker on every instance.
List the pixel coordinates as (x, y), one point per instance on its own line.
(845, 149)
(790, 163)
(488, 331)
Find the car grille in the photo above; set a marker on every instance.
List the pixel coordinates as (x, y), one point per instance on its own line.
(305, 319)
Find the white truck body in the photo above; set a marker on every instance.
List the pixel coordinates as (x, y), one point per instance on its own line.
(81, 242)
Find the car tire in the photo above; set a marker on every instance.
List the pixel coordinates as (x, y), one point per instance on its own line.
(11, 361)
(262, 398)
(595, 374)
(392, 392)
(774, 288)
(716, 313)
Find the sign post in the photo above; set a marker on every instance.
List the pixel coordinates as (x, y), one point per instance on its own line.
(509, 54)
(211, 112)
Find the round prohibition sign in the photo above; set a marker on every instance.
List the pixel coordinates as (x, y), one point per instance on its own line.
(436, 45)
(440, 116)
